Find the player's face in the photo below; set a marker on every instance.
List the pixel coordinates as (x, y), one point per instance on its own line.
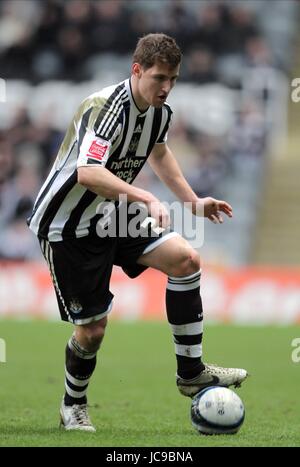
(154, 84)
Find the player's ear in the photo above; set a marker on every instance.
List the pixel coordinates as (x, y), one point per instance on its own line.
(136, 70)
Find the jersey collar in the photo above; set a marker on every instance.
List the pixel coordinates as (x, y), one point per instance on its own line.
(129, 91)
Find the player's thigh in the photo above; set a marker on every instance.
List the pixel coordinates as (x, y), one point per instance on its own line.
(174, 256)
(80, 271)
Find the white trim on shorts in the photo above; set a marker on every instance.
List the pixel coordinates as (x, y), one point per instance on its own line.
(91, 319)
(159, 241)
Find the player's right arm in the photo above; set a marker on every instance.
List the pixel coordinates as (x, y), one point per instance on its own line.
(101, 181)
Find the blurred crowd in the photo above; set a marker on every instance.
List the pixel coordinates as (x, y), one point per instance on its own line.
(59, 39)
(67, 40)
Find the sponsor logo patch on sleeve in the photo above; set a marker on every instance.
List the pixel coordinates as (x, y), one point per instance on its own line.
(98, 150)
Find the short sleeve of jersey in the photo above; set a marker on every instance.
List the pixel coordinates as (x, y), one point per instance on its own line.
(92, 148)
(165, 124)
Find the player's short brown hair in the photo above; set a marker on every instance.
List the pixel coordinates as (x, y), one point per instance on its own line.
(154, 48)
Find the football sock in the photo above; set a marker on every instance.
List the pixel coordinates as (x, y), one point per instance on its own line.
(80, 365)
(185, 315)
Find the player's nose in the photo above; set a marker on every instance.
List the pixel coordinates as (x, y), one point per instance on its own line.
(167, 87)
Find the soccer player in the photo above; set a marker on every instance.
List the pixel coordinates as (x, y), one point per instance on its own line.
(113, 133)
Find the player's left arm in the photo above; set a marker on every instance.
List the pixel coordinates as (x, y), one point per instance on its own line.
(165, 166)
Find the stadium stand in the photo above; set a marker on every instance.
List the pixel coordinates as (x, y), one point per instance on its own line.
(237, 61)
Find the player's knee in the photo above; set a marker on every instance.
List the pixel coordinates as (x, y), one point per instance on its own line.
(93, 334)
(188, 264)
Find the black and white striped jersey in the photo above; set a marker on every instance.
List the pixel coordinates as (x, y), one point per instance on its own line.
(107, 130)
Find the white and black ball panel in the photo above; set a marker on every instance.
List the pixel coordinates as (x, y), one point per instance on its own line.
(217, 410)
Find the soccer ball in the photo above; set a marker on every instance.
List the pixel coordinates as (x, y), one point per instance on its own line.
(217, 410)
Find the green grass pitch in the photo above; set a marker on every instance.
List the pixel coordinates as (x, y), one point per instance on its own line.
(132, 396)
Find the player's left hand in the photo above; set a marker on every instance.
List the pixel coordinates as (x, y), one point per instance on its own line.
(212, 209)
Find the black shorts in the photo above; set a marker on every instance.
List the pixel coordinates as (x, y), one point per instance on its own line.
(81, 269)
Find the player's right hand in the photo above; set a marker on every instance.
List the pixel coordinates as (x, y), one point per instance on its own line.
(159, 213)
